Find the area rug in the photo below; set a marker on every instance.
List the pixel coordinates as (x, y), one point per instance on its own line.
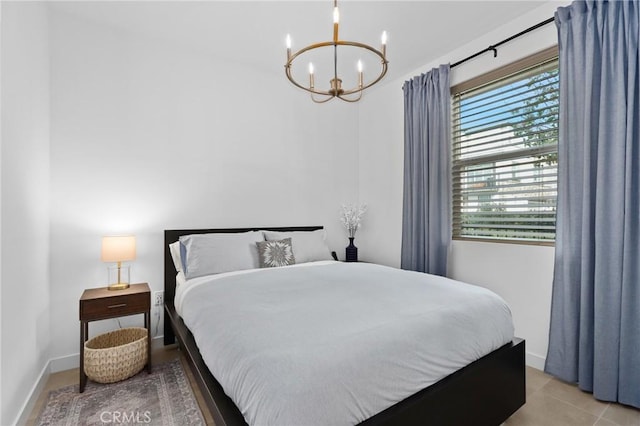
(163, 397)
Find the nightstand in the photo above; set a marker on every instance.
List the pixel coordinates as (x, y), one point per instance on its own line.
(100, 303)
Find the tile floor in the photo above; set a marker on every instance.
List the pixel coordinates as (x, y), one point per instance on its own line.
(550, 402)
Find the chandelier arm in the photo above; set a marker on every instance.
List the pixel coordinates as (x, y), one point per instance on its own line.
(335, 44)
(311, 47)
(322, 101)
(343, 98)
(380, 77)
(318, 92)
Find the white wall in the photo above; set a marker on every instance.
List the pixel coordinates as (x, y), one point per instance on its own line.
(24, 202)
(521, 274)
(148, 136)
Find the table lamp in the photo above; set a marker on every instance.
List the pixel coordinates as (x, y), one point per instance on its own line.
(118, 249)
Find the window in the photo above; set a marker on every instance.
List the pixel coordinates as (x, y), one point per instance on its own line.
(505, 152)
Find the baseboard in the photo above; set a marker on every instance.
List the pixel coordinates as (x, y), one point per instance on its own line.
(36, 390)
(55, 365)
(69, 362)
(157, 342)
(66, 362)
(535, 361)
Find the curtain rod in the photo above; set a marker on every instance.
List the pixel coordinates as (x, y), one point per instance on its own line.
(494, 48)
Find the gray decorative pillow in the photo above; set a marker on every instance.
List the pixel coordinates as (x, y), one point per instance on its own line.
(308, 246)
(275, 253)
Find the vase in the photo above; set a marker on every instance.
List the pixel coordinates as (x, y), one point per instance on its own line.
(351, 251)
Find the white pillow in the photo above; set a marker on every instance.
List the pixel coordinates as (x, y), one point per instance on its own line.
(174, 248)
(206, 254)
(308, 246)
(180, 279)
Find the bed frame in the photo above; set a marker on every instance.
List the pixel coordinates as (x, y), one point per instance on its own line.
(485, 392)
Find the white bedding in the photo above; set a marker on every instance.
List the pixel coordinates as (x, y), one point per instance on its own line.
(331, 343)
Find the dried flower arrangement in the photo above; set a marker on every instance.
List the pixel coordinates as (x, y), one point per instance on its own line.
(351, 217)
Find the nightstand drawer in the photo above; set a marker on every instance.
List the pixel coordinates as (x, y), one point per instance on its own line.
(109, 307)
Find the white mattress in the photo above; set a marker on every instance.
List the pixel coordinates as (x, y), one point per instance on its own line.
(331, 343)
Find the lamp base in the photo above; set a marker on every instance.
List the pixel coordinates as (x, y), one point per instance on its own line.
(118, 286)
(118, 277)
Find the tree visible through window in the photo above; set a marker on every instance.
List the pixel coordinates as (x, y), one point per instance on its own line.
(505, 155)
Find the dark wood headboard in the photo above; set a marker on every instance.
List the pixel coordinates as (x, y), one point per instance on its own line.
(172, 235)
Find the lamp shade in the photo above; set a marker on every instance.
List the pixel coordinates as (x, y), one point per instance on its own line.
(118, 248)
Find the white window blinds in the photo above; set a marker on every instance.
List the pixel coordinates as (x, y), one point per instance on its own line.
(505, 136)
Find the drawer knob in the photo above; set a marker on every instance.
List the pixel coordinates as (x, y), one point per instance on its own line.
(120, 305)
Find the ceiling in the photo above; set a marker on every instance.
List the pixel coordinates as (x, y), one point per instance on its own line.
(253, 32)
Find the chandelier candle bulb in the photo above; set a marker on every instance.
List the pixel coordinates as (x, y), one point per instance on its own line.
(384, 43)
(336, 20)
(288, 41)
(311, 82)
(360, 75)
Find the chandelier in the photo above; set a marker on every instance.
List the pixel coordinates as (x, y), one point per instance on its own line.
(335, 89)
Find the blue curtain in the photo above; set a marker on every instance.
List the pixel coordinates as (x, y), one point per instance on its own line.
(426, 215)
(595, 314)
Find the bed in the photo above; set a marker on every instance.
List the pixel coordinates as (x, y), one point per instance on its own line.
(484, 392)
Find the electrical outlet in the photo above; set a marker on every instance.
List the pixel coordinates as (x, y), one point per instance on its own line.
(158, 298)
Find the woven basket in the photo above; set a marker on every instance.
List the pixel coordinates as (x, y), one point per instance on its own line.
(117, 355)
